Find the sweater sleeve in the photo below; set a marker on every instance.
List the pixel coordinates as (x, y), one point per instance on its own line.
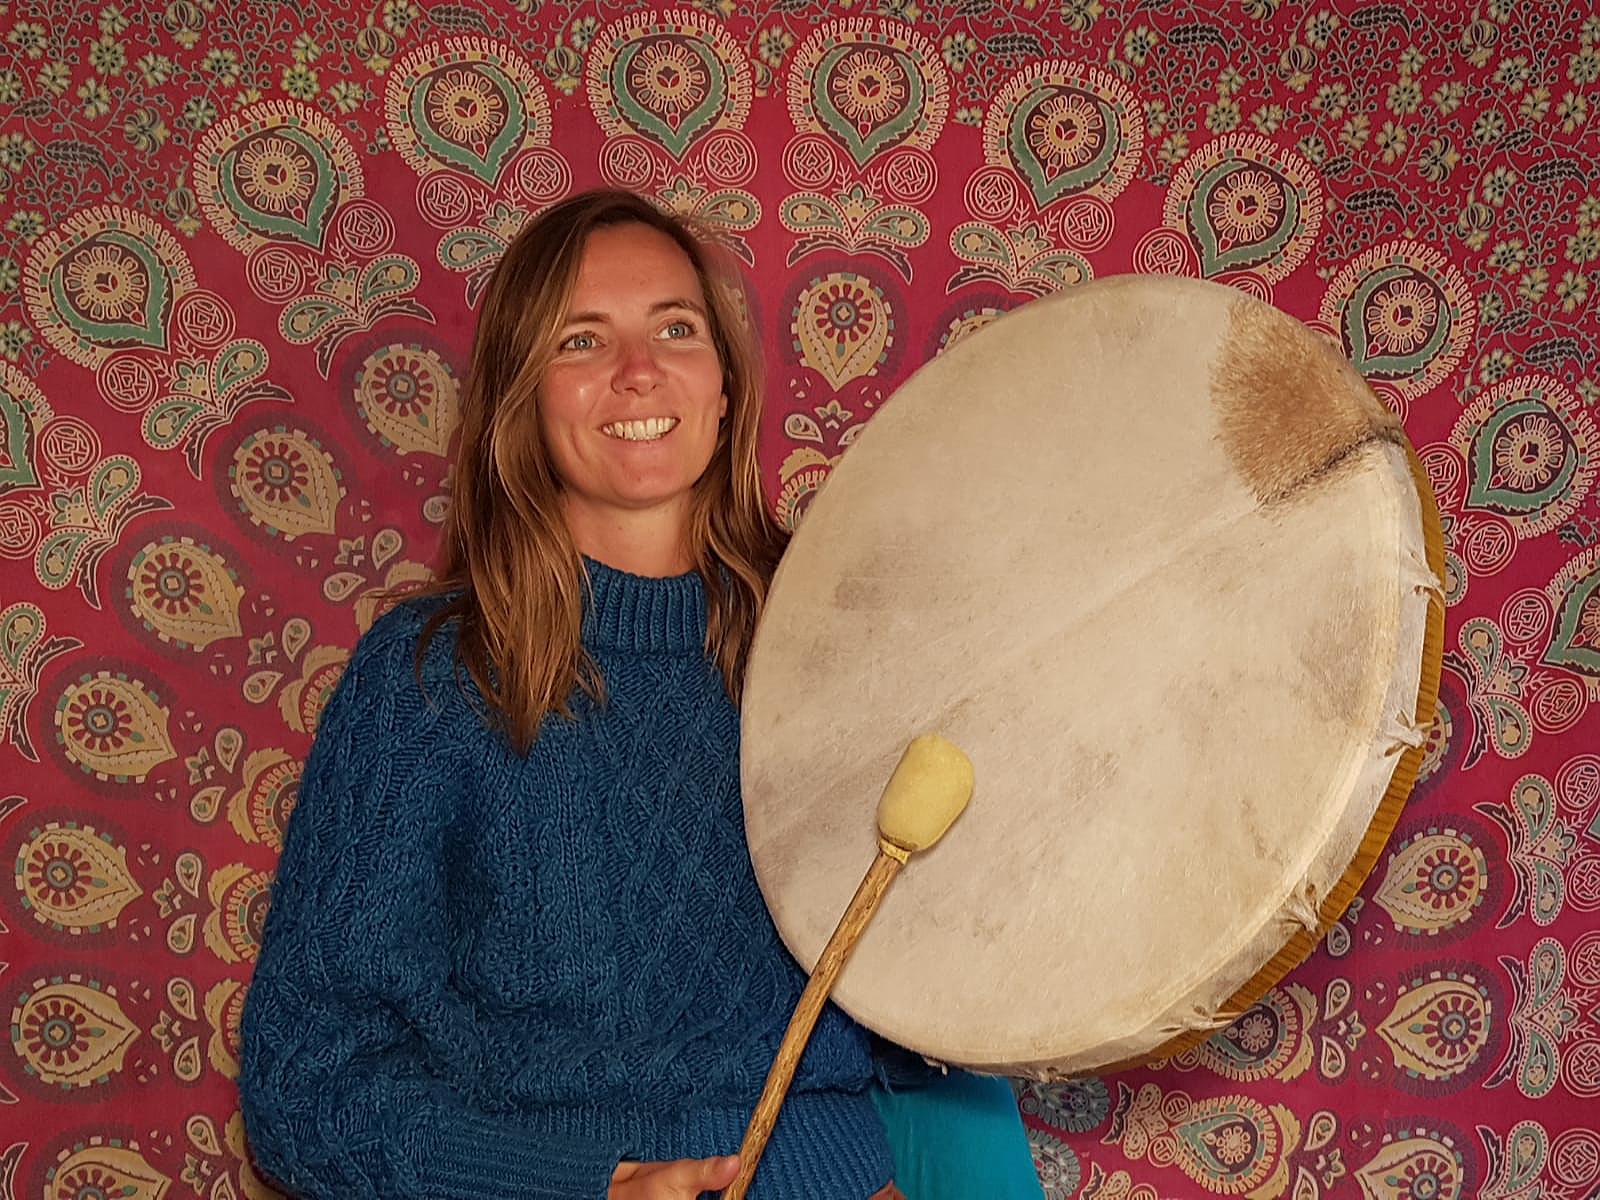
(355, 1048)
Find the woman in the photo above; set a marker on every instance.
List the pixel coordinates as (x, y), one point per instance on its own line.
(516, 946)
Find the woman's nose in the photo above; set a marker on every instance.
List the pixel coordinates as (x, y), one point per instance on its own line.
(637, 366)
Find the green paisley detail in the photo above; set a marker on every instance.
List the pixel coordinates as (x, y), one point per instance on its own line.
(318, 207)
(1483, 492)
(500, 149)
(1214, 260)
(150, 330)
(1047, 188)
(674, 137)
(1369, 361)
(1575, 643)
(15, 468)
(866, 141)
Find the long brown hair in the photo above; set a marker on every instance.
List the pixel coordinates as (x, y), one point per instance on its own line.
(514, 572)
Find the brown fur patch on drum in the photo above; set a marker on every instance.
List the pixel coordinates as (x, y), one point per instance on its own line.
(1289, 408)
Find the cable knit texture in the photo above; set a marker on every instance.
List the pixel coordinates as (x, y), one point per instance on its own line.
(488, 975)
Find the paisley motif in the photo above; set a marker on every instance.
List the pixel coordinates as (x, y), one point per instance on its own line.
(467, 105)
(102, 1169)
(1494, 686)
(1227, 1144)
(1539, 847)
(1543, 1015)
(1404, 315)
(224, 1007)
(111, 727)
(1246, 204)
(869, 87)
(107, 280)
(853, 220)
(407, 396)
(275, 172)
(239, 898)
(184, 593)
(87, 511)
(23, 412)
(302, 702)
(71, 1033)
(1022, 259)
(1530, 450)
(1435, 880)
(1067, 130)
(801, 477)
(965, 318)
(74, 879)
(24, 651)
(843, 326)
(1412, 1166)
(1075, 1105)
(259, 811)
(1574, 596)
(670, 78)
(1439, 1025)
(286, 483)
(1232, 1144)
(1269, 1040)
(1058, 1167)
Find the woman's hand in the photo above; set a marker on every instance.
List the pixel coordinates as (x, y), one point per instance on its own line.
(682, 1179)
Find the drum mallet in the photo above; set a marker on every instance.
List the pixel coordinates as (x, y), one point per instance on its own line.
(928, 790)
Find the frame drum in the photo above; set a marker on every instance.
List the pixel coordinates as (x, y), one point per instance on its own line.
(1153, 554)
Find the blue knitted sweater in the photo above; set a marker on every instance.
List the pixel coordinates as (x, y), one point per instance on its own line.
(492, 975)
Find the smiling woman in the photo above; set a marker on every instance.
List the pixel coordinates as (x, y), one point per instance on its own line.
(631, 404)
(516, 945)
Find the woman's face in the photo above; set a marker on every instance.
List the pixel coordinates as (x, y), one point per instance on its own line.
(630, 405)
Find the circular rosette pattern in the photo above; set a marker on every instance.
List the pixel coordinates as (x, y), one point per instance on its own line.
(1436, 880)
(104, 1168)
(1438, 1029)
(406, 394)
(110, 726)
(71, 1033)
(286, 483)
(1413, 1166)
(843, 325)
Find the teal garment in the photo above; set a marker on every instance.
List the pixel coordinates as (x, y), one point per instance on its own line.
(957, 1137)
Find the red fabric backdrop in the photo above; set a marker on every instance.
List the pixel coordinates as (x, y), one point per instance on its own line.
(242, 249)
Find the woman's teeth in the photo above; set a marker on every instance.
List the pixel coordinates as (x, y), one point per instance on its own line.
(647, 430)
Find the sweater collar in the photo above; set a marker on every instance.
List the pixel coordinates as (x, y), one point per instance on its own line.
(634, 612)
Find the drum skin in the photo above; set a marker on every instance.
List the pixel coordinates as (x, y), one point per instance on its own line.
(1157, 559)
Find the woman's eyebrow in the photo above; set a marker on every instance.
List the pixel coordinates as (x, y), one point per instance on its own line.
(593, 317)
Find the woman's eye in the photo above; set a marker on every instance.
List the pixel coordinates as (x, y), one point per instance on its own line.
(579, 341)
(680, 329)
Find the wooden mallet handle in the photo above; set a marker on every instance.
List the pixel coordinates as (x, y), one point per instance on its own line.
(865, 902)
(928, 790)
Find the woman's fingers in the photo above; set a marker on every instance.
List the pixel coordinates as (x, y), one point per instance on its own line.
(682, 1179)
